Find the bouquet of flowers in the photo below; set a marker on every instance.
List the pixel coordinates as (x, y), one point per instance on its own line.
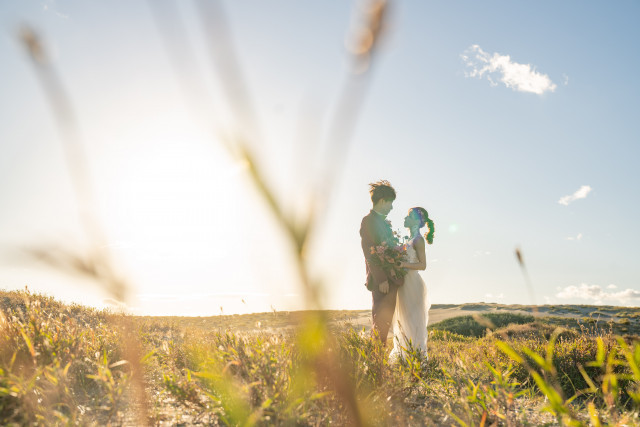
(389, 258)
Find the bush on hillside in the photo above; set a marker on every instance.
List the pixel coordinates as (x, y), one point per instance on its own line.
(477, 325)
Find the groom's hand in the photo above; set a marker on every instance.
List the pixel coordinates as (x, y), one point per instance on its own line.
(384, 287)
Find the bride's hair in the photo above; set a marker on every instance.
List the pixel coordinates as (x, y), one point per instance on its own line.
(423, 216)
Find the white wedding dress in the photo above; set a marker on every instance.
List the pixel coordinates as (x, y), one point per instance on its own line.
(412, 312)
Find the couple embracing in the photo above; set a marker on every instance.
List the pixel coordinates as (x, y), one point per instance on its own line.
(399, 293)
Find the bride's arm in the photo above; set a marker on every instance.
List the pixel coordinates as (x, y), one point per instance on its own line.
(422, 259)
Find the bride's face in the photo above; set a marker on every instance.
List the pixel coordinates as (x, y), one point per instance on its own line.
(410, 221)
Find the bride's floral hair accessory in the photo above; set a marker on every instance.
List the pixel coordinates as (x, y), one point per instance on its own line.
(423, 216)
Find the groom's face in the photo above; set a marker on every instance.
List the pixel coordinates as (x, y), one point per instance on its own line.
(386, 206)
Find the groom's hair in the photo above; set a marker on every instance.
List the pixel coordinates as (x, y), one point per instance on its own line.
(381, 190)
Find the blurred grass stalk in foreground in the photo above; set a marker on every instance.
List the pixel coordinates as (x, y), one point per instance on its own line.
(315, 339)
(96, 264)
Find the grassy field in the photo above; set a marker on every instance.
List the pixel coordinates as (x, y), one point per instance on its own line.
(499, 365)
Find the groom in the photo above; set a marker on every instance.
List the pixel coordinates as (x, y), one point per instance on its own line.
(374, 230)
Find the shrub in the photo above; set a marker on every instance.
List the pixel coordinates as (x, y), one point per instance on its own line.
(476, 326)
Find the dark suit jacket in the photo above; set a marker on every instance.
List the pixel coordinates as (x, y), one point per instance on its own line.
(373, 231)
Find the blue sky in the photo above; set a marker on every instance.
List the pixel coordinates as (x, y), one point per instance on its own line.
(514, 124)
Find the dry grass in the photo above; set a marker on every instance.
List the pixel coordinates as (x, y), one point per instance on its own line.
(62, 364)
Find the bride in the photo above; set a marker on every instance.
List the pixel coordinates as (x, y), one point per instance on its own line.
(412, 305)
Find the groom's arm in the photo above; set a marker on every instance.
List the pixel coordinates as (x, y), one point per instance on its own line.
(369, 238)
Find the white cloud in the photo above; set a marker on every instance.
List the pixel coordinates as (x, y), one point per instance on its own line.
(596, 294)
(519, 77)
(201, 296)
(50, 6)
(578, 237)
(580, 194)
(115, 304)
(490, 297)
(481, 253)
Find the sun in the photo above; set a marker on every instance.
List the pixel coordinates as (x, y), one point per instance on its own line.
(167, 198)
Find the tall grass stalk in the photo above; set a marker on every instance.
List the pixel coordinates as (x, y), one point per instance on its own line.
(241, 143)
(96, 263)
